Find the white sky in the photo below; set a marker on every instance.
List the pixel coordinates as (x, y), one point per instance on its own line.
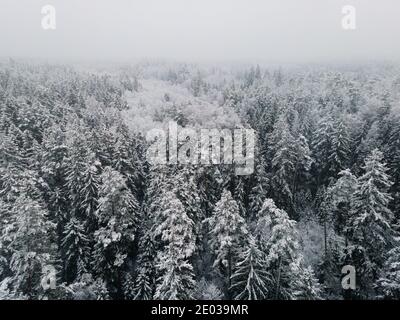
(216, 30)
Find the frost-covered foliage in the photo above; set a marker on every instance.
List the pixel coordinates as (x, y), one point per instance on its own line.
(174, 269)
(227, 234)
(78, 194)
(251, 279)
(389, 282)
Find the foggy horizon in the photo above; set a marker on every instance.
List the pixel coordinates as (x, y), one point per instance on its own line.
(225, 31)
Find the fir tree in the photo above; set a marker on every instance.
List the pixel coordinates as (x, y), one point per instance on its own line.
(279, 240)
(174, 269)
(283, 164)
(75, 250)
(145, 279)
(89, 191)
(260, 190)
(118, 214)
(340, 196)
(393, 159)
(27, 239)
(227, 231)
(250, 280)
(321, 147)
(305, 285)
(340, 148)
(370, 224)
(302, 164)
(388, 284)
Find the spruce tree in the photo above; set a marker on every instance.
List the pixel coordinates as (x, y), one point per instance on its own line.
(340, 196)
(118, 213)
(321, 147)
(302, 164)
(28, 241)
(283, 164)
(388, 284)
(371, 218)
(75, 250)
(174, 268)
(305, 285)
(279, 241)
(250, 280)
(228, 231)
(259, 192)
(145, 279)
(339, 152)
(393, 159)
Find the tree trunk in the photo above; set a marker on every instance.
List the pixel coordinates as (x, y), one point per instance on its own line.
(325, 239)
(229, 272)
(278, 279)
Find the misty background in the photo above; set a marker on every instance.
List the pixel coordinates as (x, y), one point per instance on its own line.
(207, 30)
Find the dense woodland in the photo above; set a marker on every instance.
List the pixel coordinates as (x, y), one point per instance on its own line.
(77, 193)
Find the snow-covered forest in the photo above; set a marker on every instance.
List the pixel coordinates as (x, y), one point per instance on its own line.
(78, 196)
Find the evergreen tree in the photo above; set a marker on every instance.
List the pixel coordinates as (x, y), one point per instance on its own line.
(53, 172)
(393, 159)
(118, 214)
(240, 194)
(175, 271)
(321, 146)
(340, 148)
(340, 196)
(279, 240)
(145, 279)
(283, 164)
(28, 242)
(305, 285)
(227, 232)
(75, 250)
(89, 191)
(370, 224)
(388, 284)
(259, 192)
(302, 164)
(185, 186)
(250, 280)
(75, 168)
(87, 288)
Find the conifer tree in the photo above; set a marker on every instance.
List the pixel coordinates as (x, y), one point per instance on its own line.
(174, 268)
(250, 280)
(228, 231)
(89, 191)
(283, 164)
(75, 250)
(145, 278)
(302, 164)
(340, 196)
(279, 241)
(340, 148)
(393, 159)
(371, 218)
(118, 214)
(305, 285)
(28, 241)
(321, 146)
(388, 284)
(259, 192)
